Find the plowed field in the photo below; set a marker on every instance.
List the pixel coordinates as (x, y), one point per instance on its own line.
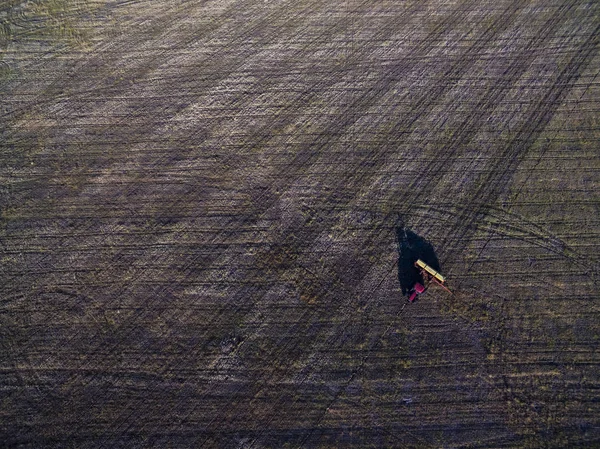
(202, 202)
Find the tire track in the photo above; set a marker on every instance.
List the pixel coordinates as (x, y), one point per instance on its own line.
(424, 184)
(226, 306)
(161, 293)
(500, 176)
(463, 69)
(502, 222)
(305, 225)
(552, 21)
(130, 289)
(292, 245)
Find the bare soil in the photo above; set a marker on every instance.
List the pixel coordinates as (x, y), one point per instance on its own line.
(200, 213)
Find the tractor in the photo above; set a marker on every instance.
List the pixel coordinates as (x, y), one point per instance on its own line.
(429, 275)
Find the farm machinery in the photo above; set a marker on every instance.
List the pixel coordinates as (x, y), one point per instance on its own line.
(429, 276)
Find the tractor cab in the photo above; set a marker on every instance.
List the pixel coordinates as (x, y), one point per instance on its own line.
(416, 291)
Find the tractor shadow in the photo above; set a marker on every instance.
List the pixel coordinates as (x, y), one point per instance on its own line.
(411, 247)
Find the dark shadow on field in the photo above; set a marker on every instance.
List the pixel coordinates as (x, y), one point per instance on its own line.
(411, 247)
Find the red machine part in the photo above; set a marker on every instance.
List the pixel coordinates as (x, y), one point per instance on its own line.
(416, 291)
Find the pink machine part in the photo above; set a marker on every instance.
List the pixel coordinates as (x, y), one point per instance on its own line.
(416, 291)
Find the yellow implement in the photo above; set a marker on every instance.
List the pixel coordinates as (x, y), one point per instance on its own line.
(422, 265)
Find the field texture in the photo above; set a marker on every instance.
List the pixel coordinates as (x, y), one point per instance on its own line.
(202, 211)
